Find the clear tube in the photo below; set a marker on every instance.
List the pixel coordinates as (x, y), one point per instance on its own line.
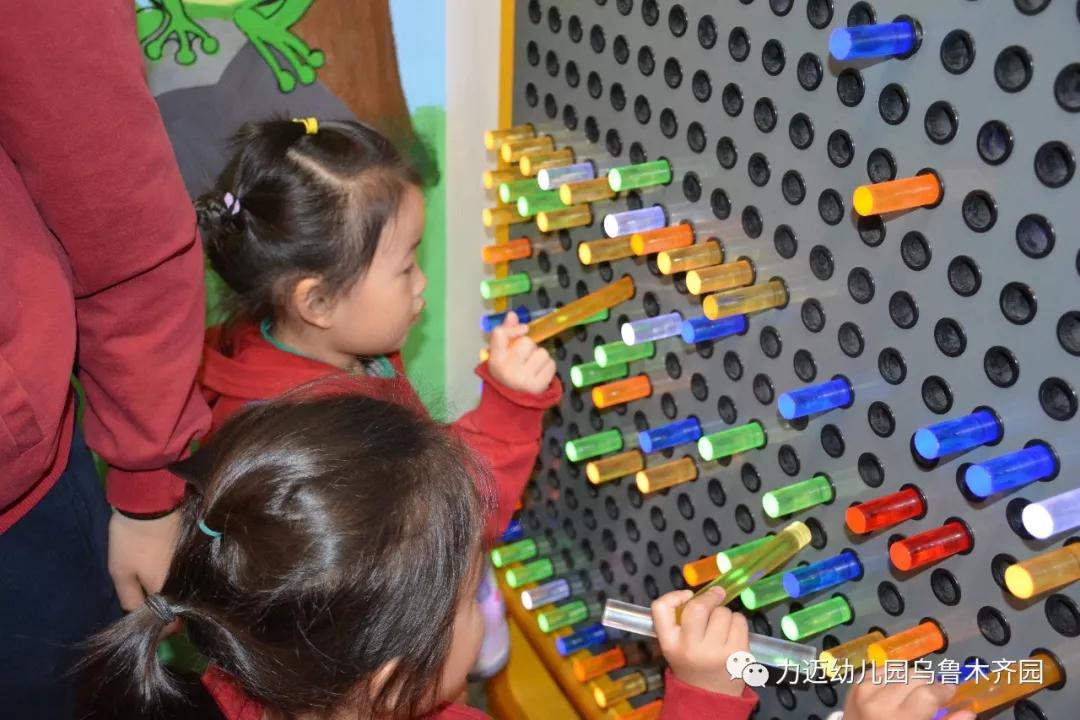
(552, 178)
(547, 594)
(1053, 515)
(652, 328)
(635, 221)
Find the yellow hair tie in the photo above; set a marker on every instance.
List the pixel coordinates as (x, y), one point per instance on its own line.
(311, 125)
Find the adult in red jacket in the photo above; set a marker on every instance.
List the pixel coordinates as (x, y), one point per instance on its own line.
(101, 275)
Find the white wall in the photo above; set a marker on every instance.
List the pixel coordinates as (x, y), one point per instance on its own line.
(472, 104)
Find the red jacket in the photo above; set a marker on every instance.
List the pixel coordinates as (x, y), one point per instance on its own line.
(681, 702)
(504, 429)
(95, 226)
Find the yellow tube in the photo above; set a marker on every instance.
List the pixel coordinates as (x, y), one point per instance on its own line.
(658, 478)
(982, 694)
(895, 195)
(494, 178)
(512, 151)
(720, 277)
(494, 138)
(573, 313)
(690, 258)
(853, 653)
(614, 467)
(502, 215)
(668, 238)
(592, 252)
(571, 217)
(535, 162)
(910, 644)
(782, 547)
(741, 301)
(1044, 573)
(586, 191)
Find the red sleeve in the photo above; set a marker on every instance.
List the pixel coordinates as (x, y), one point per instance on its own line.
(505, 430)
(687, 702)
(78, 120)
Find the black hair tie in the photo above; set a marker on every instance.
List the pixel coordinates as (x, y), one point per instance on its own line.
(160, 607)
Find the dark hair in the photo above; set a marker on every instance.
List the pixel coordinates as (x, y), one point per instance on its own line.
(305, 205)
(349, 527)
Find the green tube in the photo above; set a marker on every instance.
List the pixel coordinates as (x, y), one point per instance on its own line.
(797, 496)
(815, 619)
(598, 317)
(631, 177)
(519, 551)
(516, 284)
(536, 571)
(562, 616)
(529, 205)
(726, 559)
(764, 592)
(511, 191)
(780, 548)
(620, 352)
(591, 446)
(588, 374)
(731, 441)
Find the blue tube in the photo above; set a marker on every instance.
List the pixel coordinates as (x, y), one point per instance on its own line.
(814, 399)
(494, 320)
(824, 574)
(1011, 471)
(671, 435)
(873, 41)
(957, 435)
(589, 637)
(514, 531)
(700, 329)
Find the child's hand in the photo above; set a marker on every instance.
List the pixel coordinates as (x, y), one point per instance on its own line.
(516, 361)
(915, 700)
(697, 649)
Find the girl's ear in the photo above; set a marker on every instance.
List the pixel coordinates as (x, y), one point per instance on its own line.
(311, 303)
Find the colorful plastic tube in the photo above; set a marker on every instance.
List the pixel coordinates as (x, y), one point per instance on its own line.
(533, 163)
(573, 313)
(520, 551)
(720, 277)
(543, 568)
(512, 150)
(684, 259)
(797, 496)
(614, 467)
(816, 618)
(509, 192)
(492, 179)
(745, 300)
(727, 559)
(896, 195)
(885, 512)
(823, 575)
(731, 441)
(1011, 471)
(585, 191)
(620, 352)
(552, 178)
(661, 477)
(517, 249)
(671, 435)
(590, 446)
(883, 40)
(514, 531)
(538, 202)
(853, 654)
(607, 691)
(571, 613)
(764, 593)
(652, 328)
(815, 399)
(701, 571)
(668, 238)
(591, 373)
(622, 391)
(910, 644)
(634, 221)
(502, 215)
(983, 694)
(583, 639)
(590, 667)
(516, 284)
(702, 329)
(625, 711)
(926, 548)
(566, 219)
(641, 175)
(493, 139)
(1043, 573)
(1053, 515)
(780, 548)
(493, 320)
(593, 252)
(957, 435)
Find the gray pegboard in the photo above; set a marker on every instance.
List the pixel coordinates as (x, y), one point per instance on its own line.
(645, 541)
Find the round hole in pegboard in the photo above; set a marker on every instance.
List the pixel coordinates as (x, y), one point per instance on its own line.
(1001, 367)
(785, 697)
(1067, 85)
(652, 590)
(607, 539)
(699, 387)
(773, 58)
(765, 115)
(804, 365)
(589, 518)
(596, 420)
(1068, 332)
(629, 563)
(691, 187)
(618, 97)
(871, 230)
(1057, 398)
(1063, 615)
(890, 598)
(685, 506)
(570, 117)
(705, 348)
(801, 131)
(1027, 710)
(957, 52)
(642, 109)
(613, 142)
(1054, 164)
(738, 44)
(646, 61)
(809, 72)
(744, 519)
(1017, 303)
(860, 284)
(1031, 7)
(650, 304)
(706, 32)
(625, 7)
(641, 421)
(871, 470)
(950, 337)
(903, 310)
(945, 587)
(720, 204)
(819, 13)
(673, 74)
(669, 124)
(965, 278)
(781, 8)
(785, 242)
(826, 694)
(771, 343)
(860, 14)
(554, 20)
(850, 339)
(915, 250)
(792, 187)
(732, 99)
(818, 537)
(564, 276)
(543, 261)
(763, 389)
(832, 441)
(840, 148)
(994, 142)
(831, 206)
(695, 136)
(725, 408)
(822, 264)
(633, 533)
(573, 75)
(673, 366)
(788, 460)
(611, 508)
(751, 480)
(650, 12)
(880, 165)
(677, 21)
(940, 122)
(605, 271)
(759, 623)
(711, 531)
(726, 153)
(893, 104)
(1013, 69)
(595, 85)
(813, 315)
(757, 167)
(620, 48)
(849, 87)
(998, 566)
(716, 493)
(937, 395)
(668, 406)
(675, 577)
(993, 626)
(656, 517)
(682, 545)
(576, 403)
(880, 418)
(1035, 236)
(532, 96)
(701, 85)
(752, 223)
(592, 129)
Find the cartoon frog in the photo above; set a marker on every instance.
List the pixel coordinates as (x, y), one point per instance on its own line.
(266, 23)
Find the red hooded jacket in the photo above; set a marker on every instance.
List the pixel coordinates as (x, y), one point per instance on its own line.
(242, 366)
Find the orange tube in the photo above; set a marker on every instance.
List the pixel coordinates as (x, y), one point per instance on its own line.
(853, 653)
(701, 571)
(535, 162)
(586, 191)
(669, 238)
(741, 301)
(895, 195)
(614, 467)
(626, 711)
(512, 151)
(605, 250)
(589, 667)
(910, 644)
(981, 694)
(720, 277)
(571, 217)
(573, 313)
(661, 477)
(622, 391)
(517, 249)
(690, 258)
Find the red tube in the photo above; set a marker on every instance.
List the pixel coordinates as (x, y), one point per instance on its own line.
(885, 511)
(929, 547)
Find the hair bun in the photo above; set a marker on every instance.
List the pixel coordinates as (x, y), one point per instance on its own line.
(217, 213)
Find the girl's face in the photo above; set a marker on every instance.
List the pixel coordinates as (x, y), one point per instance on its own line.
(375, 315)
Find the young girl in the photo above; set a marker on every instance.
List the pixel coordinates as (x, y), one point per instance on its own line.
(327, 568)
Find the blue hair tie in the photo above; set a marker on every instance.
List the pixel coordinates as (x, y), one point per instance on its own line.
(207, 531)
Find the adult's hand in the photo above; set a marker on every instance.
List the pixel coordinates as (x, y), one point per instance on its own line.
(139, 555)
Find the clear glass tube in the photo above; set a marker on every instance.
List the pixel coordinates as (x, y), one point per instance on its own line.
(823, 574)
(797, 496)
(957, 435)
(815, 399)
(1011, 471)
(684, 259)
(744, 300)
(671, 435)
(547, 594)
(701, 329)
(873, 41)
(552, 178)
(635, 221)
(1053, 515)
(652, 328)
